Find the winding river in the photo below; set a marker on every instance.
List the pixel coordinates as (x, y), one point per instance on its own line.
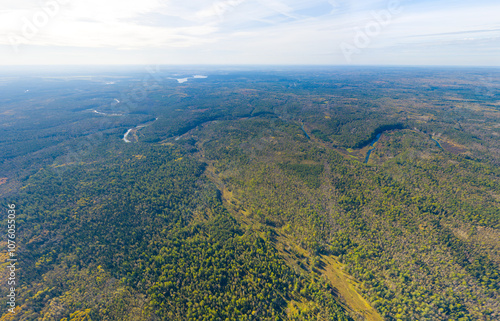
(305, 132)
(125, 136)
(437, 143)
(372, 149)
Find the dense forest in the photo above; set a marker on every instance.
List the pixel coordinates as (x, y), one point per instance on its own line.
(320, 194)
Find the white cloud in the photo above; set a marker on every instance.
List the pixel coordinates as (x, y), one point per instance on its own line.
(253, 31)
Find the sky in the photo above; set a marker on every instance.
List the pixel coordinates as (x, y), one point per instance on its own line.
(257, 32)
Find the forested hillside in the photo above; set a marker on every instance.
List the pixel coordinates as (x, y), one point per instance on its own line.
(342, 194)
